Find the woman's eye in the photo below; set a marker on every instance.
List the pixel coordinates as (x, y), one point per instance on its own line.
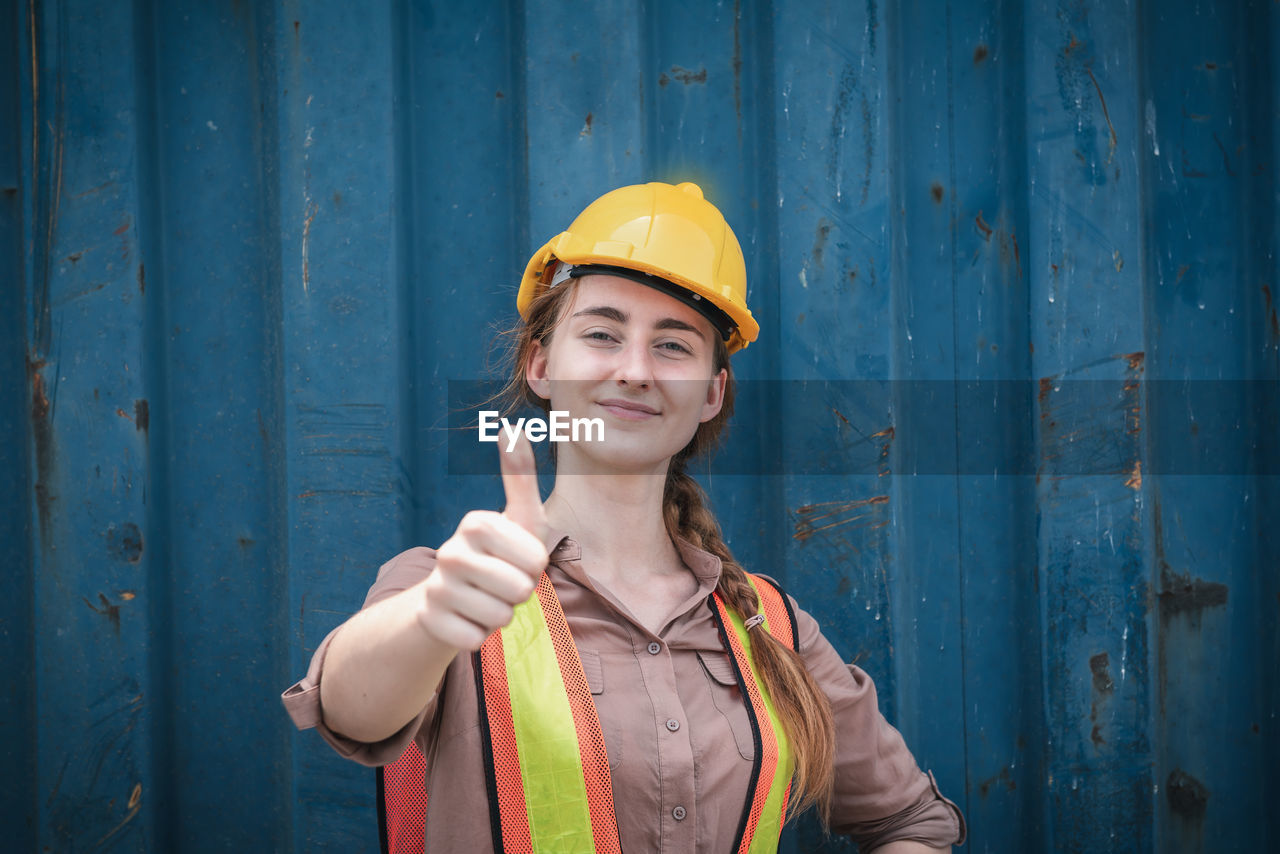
(597, 335)
(674, 346)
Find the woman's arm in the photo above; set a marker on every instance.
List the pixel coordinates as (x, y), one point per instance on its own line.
(386, 662)
(882, 799)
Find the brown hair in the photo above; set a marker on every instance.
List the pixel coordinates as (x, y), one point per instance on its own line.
(801, 705)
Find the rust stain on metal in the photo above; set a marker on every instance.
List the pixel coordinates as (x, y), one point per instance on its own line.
(684, 75)
(134, 806)
(980, 53)
(840, 415)
(586, 126)
(42, 433)
(820, 240)
(935, 190)
(687, 76)
(1182, 594)
(1135, 359)
(1187, 796)
(1117, 260)
(835, 513)
(983, 227)
(1004, 778)
(1017, 252)
(142, 415)
(108, 610)
(1103, 687)
(39, 399)
(125, 542)
(122, 229)
(1271, 314)
(1099, 666)
(1134, 481)
(1111, 151)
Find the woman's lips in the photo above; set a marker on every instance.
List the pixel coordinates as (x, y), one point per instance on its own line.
(629, 410)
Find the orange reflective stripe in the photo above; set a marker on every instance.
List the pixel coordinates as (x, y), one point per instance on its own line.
(524, 750)
(766, 741)
(511, 836)
(402, 803)
(776, 611)
(595, 761)
(766, 796)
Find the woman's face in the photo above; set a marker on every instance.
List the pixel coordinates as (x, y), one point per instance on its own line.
(635, 358)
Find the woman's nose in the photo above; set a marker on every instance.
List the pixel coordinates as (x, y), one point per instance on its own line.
(635, 366)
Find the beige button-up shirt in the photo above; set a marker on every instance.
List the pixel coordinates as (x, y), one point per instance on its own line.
(675, 727)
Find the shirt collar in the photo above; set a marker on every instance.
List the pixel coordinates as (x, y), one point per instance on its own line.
(703, 564)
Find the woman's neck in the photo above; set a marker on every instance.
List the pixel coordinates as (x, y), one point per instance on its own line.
(617, 520)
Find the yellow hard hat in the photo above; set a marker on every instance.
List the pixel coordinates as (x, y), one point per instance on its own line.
(668, 237)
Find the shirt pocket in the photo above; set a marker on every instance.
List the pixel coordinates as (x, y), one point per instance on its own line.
(722, 682)
(610, 724)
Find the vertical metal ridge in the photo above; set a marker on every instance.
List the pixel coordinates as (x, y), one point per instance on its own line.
(265, 51)
(518, 51)
(161, 803)
(649, 29)
(1262, 124)
(759, 94)
(18, 767)
(405, 217)
(953, 204)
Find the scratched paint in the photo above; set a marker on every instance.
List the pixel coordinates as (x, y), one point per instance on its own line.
(241, 305)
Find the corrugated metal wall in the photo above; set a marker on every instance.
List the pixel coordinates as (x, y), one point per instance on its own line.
(246, 247)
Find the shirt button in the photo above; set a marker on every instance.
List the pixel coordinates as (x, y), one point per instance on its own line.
(678, 813)
(673, 724)
(655, 648)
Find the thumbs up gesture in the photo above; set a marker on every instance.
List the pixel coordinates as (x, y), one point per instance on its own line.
(491, 563)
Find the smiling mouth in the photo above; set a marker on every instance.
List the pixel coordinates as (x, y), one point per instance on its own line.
(628, 409)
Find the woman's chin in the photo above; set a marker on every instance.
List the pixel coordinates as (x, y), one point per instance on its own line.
(613, 457)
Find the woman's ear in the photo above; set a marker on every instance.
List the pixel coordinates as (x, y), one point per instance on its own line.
(535, 372)
(715, 395)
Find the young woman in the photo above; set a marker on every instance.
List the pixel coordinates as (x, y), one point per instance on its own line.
(596, 672)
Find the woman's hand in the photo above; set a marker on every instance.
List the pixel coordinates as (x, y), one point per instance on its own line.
(491, 563)
(387, 660)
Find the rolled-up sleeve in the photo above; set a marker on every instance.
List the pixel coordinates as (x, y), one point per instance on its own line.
(302, 699)
(881, 795)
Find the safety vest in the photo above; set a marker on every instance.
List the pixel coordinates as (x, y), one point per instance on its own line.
(546, 769)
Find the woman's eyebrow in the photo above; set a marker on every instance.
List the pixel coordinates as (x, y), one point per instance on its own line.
(673, 323)
(606, 311)
(619, 316)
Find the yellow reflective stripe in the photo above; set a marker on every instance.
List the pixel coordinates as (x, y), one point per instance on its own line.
(550, 761)
(769, 825)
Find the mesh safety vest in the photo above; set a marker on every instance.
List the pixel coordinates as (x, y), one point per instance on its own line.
(546, 769)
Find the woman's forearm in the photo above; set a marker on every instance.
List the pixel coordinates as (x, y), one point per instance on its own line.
(381, 669)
